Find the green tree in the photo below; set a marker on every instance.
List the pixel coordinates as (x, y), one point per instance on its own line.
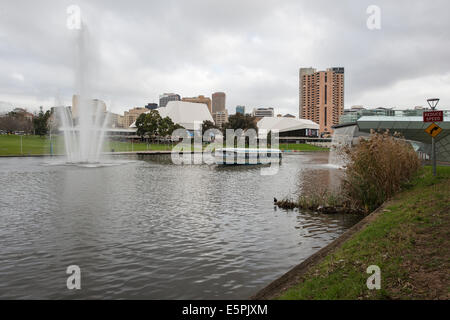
(206, 125)
(152, 125)
(40, 123)
(166, 127)
(239, 121)
(148, 123)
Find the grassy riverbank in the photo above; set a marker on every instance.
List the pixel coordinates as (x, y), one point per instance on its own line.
(14, 145)
(409, 240)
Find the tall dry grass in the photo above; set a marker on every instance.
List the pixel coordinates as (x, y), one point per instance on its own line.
(377, 168)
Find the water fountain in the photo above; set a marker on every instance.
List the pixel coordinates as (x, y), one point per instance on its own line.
(342, 137)
(85, 125)
(84, 134)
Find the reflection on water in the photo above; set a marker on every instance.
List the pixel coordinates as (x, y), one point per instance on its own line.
(318, 176)
(149, 229)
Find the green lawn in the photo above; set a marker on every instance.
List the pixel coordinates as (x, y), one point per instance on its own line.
(409, 241)
(11, 145)
(301, 147)
(28, 145)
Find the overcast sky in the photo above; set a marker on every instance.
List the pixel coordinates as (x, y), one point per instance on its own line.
(251, 50)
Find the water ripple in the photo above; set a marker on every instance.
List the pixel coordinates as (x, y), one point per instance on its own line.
(152, 230)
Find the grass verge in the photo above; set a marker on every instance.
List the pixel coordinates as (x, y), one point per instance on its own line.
(301, 147)
(12, 145)
(409, 241)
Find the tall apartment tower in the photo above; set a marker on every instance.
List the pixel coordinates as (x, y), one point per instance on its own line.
(321, 96)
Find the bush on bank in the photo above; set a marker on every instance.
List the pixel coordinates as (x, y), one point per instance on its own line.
(377, 168)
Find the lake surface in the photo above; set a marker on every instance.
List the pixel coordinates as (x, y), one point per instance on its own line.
(149, 229)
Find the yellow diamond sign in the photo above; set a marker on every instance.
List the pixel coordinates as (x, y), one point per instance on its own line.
(433, 130)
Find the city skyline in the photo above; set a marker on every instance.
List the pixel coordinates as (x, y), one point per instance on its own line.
(256, 64)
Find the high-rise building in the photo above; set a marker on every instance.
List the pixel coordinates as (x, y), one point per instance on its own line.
(218, 101)
(166, 97)
(321, 96)
(240, 109)
(199, 99)
(302, 73)
(219, 112)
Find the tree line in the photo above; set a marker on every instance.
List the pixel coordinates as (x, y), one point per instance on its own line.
(15, 121)
(151, 124)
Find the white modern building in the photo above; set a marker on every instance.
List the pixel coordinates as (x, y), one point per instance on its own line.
(184, 113)
(289, 127)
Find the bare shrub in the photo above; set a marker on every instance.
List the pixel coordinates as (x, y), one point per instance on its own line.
(377, 168)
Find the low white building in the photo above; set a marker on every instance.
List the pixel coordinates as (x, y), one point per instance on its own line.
(184, 113)
(288, 127)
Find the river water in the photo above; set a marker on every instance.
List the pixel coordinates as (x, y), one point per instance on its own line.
(149, 229)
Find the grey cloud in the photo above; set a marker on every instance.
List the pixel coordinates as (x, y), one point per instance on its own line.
(250, 49)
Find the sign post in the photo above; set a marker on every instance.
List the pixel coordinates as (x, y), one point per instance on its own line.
(433, 116)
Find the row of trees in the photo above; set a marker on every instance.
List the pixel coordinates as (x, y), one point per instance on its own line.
(21, 122)
(152, 125)
(240, 121)
(12, 122)
(235, 122)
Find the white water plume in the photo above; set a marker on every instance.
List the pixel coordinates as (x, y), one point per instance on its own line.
(342, 137)
(85, 125)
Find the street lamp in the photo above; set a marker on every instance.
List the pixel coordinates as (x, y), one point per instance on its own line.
(432, 102)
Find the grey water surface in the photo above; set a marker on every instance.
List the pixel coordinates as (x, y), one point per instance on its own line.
(149, 229)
